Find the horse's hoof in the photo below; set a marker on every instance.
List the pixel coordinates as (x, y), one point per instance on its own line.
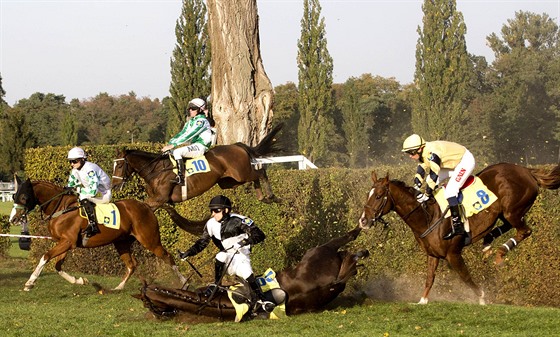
(28, 287)
(486, 253)
(82, 281)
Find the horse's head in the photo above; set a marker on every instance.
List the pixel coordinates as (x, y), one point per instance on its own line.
(379, 202)
(121, 170)
(24, 200)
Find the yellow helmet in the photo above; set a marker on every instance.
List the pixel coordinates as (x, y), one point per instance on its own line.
(413, 143)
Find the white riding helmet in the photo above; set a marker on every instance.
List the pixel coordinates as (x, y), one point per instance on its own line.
(413, 142)
(197, 103)
(76, 153)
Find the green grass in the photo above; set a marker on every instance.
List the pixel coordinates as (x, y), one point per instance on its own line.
(56, 308)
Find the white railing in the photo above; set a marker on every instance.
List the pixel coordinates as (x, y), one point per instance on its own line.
(303, 163)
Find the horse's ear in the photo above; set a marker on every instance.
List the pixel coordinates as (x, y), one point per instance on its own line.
(386, 179)
(17, 181)
(373, 176)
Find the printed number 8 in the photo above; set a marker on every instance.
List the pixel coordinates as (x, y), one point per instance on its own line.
(484, 197)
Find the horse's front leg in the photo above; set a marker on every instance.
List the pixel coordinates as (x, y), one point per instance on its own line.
(58, 266)
(258, 190)
(60, 248)
(433, 263)
(268, 195)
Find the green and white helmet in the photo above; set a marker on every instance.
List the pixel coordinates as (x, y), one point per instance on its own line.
(412, 143)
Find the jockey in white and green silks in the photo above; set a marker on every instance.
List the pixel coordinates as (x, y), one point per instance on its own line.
(196, 136)
(92, 184)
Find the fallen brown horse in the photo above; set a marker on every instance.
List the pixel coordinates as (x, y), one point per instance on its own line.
(314, 282)
(515, 186)
(137, 222)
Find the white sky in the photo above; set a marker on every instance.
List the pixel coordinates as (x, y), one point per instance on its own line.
(79, 48)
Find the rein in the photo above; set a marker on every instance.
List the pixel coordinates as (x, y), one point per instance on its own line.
(125, 177)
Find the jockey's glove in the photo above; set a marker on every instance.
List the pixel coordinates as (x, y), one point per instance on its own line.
(185, 254)
(422, 197)
(69, 190)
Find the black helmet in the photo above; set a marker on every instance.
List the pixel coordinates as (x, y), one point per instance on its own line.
(220, 201)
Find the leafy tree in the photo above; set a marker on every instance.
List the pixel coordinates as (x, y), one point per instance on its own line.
(190, 63)
(525, 96)
(16, 137)
(2, 94)
(316, 128)
(44, 114)
(443, 73)
(286, 111)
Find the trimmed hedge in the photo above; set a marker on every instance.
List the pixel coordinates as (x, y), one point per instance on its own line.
(315, 206)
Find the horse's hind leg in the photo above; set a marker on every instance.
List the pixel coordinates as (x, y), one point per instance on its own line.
(336, 243)
(268, 194)
(60, 248)
(153, 244)
(494, 234)
(66, 276)
(457, 263)
(123, 248)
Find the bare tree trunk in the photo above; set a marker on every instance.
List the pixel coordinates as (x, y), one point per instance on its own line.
(241, 91)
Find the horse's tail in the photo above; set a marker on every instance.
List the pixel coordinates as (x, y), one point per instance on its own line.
(547, 179)
(267, 145)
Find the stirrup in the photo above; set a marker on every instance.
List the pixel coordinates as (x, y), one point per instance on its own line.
(267, 305)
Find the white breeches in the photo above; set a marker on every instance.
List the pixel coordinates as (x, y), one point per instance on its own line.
(457, 176)
(103, 199)
(189, 151)
(240, 263)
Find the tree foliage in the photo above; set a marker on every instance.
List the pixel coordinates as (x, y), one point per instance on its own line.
(190, 63)
(315, 66)
(525, 91)
(443, 73)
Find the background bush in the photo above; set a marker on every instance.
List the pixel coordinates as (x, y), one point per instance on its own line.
(317, 205)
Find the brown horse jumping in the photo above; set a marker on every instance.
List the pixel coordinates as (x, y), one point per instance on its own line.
(138, 222)
(315, 281)
(515, 186)
(230, 166)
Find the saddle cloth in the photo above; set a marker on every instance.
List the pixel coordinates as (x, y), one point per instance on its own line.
(192, 166)
(474, 196)
(107, 215)
(267, 281)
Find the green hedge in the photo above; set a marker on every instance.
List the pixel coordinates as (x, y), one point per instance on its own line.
(315, 206)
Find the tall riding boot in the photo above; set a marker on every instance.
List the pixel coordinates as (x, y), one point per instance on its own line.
(457, 227)
(258, 295)
(89, 208)
(180, 169)
(219, 269)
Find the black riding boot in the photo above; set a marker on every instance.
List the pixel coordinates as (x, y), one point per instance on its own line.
(457, 227)
(258, 295)
(89, 208)
(180, 169)
(219, 268)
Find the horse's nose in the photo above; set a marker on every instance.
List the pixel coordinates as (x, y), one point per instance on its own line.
(363, 222)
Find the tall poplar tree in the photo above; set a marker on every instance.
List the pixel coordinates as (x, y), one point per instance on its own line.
(316, 127)
(190, 63)
(443, 73)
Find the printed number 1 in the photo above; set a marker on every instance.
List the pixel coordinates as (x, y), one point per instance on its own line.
(483, 196)
(114, 217)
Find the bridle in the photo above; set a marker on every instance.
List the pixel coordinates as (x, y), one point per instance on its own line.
(378, 217)
(43, 205)
(125, 177)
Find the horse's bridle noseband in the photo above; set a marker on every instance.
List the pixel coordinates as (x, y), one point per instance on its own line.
(124, 178)
(378, 217)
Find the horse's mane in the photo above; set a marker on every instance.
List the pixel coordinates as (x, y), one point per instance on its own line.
(145, 154)
(403, 185)
(47, 182)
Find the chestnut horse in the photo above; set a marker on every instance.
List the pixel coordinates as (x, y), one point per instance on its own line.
(515, 186)
(137, 222)
(314, 282)
(230, 166)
